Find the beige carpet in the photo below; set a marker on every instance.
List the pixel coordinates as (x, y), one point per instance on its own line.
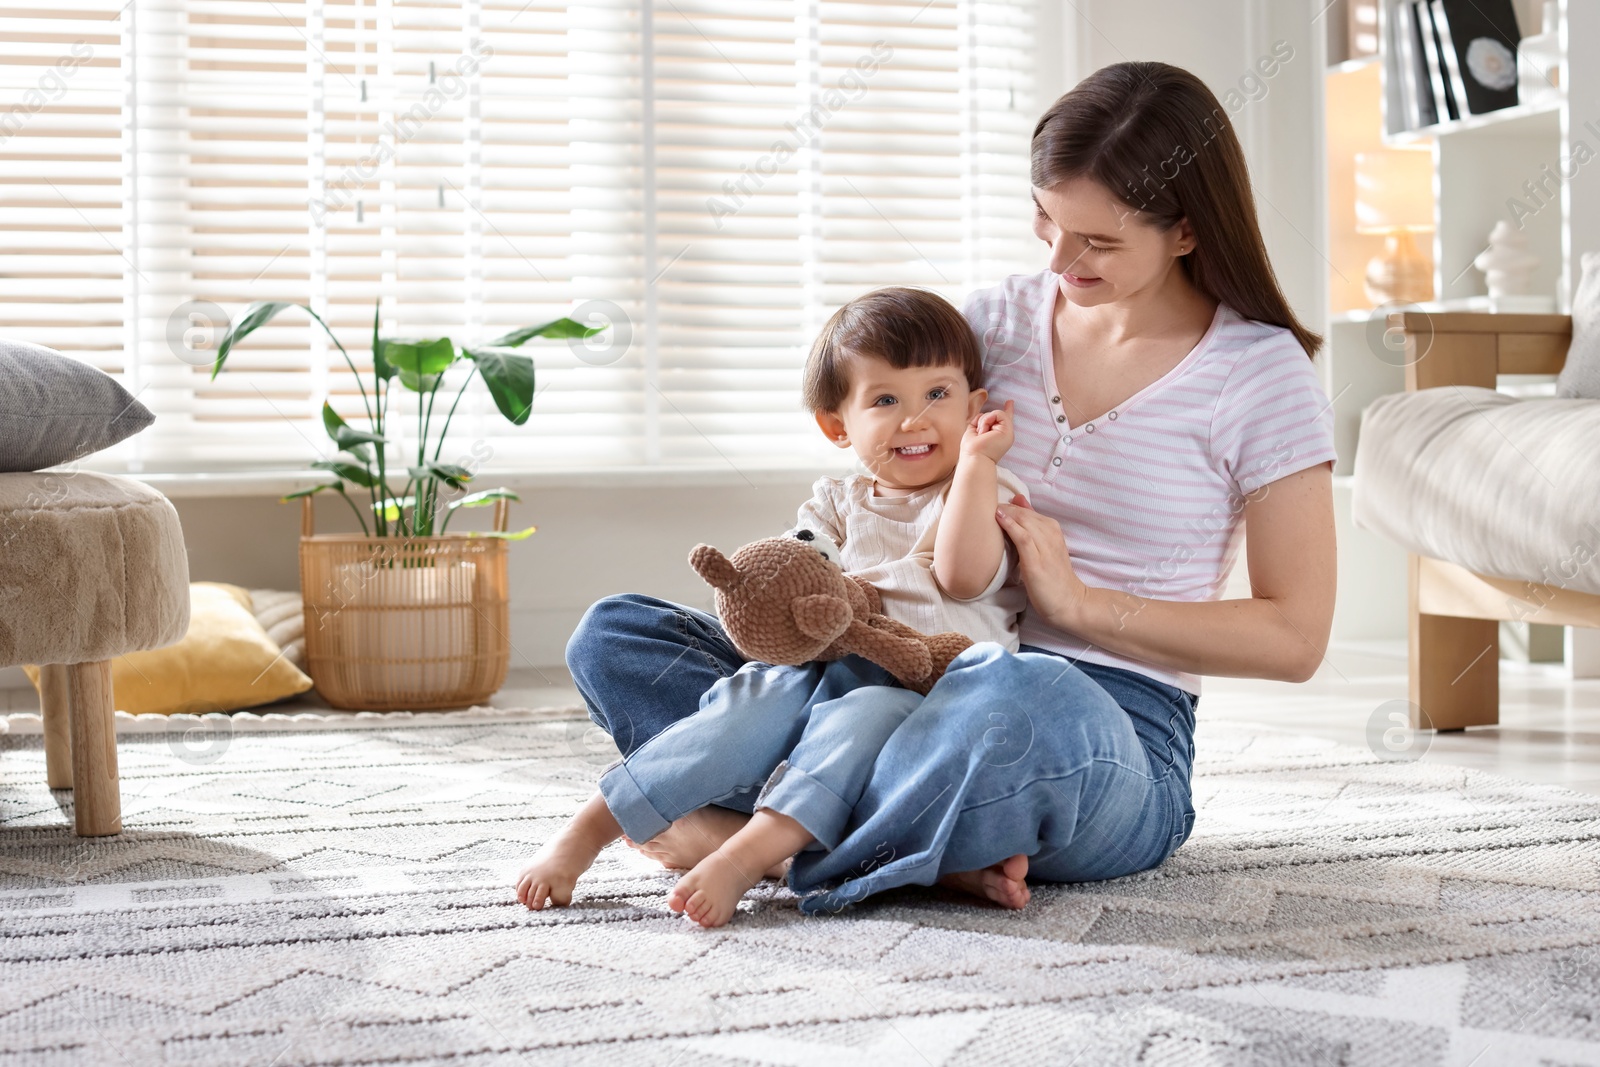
(337, 892)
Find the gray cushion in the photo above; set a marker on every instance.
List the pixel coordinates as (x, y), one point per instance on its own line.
(55, 410)
(1580, 376)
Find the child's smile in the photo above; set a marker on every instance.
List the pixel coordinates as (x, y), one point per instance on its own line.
(905, 423)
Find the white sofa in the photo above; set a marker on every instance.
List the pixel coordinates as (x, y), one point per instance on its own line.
(1496, 500)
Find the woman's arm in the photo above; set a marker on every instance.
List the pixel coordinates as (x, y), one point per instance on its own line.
(1281, 632)
(968, 546)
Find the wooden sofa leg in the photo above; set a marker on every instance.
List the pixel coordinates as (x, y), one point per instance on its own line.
(1455, 671)
(1454, 668)
(97, 802)
(55, 705)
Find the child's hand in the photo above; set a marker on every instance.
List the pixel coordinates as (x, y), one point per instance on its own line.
(990, 434)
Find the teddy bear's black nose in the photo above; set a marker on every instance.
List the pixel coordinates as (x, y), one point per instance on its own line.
(804, 535)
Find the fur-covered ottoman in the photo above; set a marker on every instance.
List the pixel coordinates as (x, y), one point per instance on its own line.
(94, 566)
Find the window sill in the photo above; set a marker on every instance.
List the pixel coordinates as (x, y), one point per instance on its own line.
(277, 483)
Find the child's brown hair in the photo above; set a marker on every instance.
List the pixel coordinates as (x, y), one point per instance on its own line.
(902, 326)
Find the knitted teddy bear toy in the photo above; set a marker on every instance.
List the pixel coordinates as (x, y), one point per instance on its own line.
(784, 600)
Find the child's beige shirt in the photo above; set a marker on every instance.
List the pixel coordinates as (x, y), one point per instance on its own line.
(888, 540)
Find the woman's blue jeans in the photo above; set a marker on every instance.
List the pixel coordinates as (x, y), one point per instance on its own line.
(1081, 767)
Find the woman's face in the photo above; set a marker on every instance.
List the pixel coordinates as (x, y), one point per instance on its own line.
(1101, 249)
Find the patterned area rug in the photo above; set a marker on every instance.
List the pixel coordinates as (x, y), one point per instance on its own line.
(335, 892)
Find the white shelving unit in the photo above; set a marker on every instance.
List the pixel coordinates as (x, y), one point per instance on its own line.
(1480, 166)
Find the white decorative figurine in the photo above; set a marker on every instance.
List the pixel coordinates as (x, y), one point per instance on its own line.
(1508, 267)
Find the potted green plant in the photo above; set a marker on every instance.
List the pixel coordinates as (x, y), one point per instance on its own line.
(404, 615)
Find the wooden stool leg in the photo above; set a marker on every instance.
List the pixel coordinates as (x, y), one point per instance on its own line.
(55, 704)
(1455, 668)
(98, 802)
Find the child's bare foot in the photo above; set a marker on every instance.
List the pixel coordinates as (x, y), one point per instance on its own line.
(554, 872)
(710, 893)
(681, 846)
(1003, 883)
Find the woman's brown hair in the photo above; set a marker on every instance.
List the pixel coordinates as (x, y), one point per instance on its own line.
(903, 326)
(1156, 137)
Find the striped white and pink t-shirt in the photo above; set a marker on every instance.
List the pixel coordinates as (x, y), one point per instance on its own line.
(1150, 495)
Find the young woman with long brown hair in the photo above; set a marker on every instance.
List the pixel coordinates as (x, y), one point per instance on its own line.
(1164, 404)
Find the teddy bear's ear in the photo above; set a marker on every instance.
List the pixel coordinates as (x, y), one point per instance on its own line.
(822, 617)
(714, 567)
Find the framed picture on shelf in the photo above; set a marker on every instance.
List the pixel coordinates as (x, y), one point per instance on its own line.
(1449, 59)
(1484, 38)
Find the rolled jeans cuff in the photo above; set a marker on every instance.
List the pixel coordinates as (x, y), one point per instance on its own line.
(792, 792)
(639, 819)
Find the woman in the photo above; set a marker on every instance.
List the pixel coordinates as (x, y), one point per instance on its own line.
(1164, 395)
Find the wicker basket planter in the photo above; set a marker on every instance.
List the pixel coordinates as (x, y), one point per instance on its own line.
(405, 623)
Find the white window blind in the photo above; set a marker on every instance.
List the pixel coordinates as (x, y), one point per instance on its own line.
(713, 177)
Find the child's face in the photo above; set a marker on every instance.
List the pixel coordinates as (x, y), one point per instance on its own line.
(905, 424)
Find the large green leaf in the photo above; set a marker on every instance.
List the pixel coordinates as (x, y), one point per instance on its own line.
(451, 474)
(310, 490)
(512, 535)
(477, 500)
(482, 499)
(380, 366)
(510, 380)
(420, 359)
(391, 506)
(344, 435)
(419, 383)
(560, 329)
(350, 472)
(256, 316)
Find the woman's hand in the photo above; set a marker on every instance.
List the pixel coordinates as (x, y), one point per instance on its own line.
(990, 433)
(1054, 589)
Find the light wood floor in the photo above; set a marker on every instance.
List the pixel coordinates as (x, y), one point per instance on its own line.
(1549, 730)
(1549, 727)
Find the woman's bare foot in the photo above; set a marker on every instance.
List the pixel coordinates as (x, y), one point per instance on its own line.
(1003, 883)
(681, 846)
(710, 893)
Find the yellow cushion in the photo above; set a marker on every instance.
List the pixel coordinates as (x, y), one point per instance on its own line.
(225, 662)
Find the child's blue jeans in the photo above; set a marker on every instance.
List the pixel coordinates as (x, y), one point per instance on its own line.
(1081, 767)
(759, 720)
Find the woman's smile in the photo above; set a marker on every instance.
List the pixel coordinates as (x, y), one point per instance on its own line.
(1079, 281)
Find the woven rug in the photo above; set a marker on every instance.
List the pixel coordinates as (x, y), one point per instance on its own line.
(332, 891)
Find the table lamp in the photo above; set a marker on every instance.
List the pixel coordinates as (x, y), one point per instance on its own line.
(1394, 197)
